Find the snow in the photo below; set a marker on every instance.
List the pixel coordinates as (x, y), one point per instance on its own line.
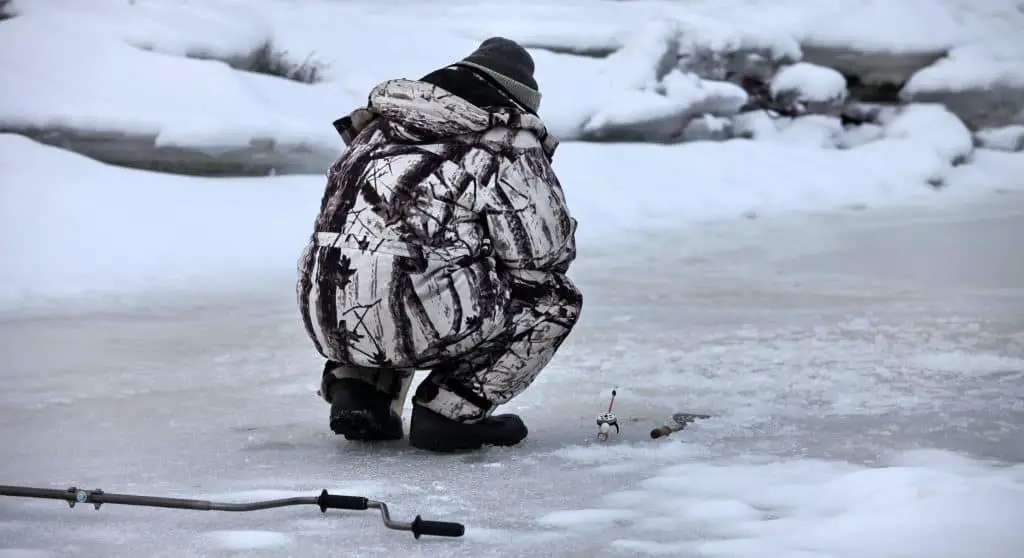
(1007, 138)
(189, 28)
(988, 65)
(79, 75)
(815, 130)
(90, 81)
(70, 225)
(933, 125)
(908, 25)
(181, 232)
(854, 333)
(809, 83)
(684, 96)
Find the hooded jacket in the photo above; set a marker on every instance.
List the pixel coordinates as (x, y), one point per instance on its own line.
(436, 214)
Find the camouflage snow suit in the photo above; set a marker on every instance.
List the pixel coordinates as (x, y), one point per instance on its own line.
(442, 243)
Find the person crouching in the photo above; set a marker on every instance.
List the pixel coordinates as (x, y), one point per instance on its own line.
(442, 244)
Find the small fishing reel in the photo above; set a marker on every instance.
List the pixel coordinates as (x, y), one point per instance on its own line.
(605, 422)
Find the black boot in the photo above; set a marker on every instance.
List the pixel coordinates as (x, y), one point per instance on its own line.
(359, 411)
(434, 432)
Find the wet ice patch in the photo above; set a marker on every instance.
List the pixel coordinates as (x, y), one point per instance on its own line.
(967, 363)
(606, 455)
(653, 548)
(512, 537)
(249, 540)
(596, 518)
(369, 489)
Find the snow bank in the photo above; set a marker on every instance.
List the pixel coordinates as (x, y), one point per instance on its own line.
(918, 504)
(88, 89)
(113, 82)
(70, 226)
(211, 29)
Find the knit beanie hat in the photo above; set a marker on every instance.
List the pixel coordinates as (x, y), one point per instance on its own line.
(510, 66)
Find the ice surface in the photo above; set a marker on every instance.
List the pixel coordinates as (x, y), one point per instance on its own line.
(250, 540)
(853, 415)
(864, 369)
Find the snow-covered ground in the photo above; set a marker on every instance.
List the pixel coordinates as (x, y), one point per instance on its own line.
(845, 302)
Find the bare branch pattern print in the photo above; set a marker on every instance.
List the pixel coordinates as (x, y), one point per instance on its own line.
(442, 243)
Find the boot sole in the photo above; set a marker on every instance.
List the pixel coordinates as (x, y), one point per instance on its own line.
(359, 425)
(448, 445)
(441, 446)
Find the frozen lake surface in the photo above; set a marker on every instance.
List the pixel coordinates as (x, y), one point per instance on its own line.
(865, 370)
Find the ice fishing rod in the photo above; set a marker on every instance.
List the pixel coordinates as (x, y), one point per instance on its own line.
(325, 501)
(606, 420)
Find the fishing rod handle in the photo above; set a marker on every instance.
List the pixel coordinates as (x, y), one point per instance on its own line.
(662, 431)
(421, 526)
(340, 502)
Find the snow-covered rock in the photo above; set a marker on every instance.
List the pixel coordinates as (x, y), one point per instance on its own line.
(935, 126)
(660, 114)
(888, 41)
(816, 130)
(982, 84)
(708, 128)
(1007, 138)
(869, 66)
(649, 54)
(719, 50)
(857, 112)
(672, 71)
(808, 88)
(854, 136)
(755, 125)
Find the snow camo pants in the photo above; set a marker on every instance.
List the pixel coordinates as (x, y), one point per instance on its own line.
(542, 314)
(512, 326)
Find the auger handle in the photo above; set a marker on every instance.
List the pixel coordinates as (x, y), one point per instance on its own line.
(421, 526)
(340, 502)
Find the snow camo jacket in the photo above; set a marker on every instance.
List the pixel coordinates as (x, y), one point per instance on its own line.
(429, 221)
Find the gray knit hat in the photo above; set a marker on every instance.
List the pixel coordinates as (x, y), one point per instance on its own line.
(509, 64)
